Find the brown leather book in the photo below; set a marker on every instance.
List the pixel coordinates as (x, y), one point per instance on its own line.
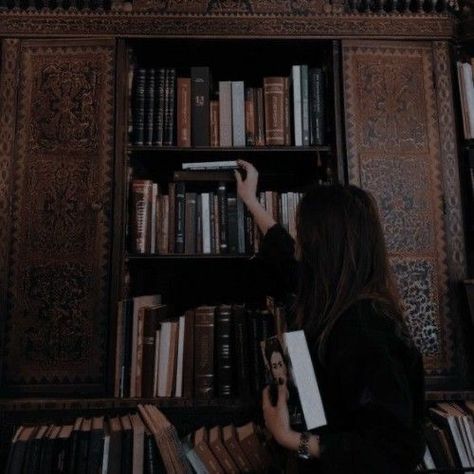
(188, 357)
(215, 138)
(184, 111)
(170, 383)
(252, 446)
(200, 443)
(220, 451)
(141, 193)
(274, 93)
(286, 110)
(250, 116)
(204, 352)
(231, 442)
(260, 110)
(153, 315)
(224, 350)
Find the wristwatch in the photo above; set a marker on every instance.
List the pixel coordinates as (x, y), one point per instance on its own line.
(303, 447)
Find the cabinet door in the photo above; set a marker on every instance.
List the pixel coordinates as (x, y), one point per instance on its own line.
(401, 147)
(56, 161)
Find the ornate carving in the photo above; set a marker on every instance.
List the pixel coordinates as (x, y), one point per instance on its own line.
(65, 111)
(10, 52)
(331, 24)
(59, 257)
(402, 172)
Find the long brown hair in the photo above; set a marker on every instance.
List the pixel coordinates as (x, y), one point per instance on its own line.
(343, 260)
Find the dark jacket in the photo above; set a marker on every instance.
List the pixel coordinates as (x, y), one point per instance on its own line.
(372, 382)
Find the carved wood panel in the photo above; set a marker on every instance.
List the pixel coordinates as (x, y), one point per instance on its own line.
(61, 196)
(393, 116)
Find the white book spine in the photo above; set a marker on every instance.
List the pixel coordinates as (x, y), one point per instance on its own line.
(297, 115)
(428, 459)
(206, 223)
(165, 345)
(156, 363)
(469, 85)
(179, 361)
(305, 379)
(210, 165)
(238, 114)
(458, 441)
(105, 456)
(225, 113)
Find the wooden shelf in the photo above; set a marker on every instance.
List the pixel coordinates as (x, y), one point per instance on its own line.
(54, 404)
(230, 150)
(182, 256)
(447, 395)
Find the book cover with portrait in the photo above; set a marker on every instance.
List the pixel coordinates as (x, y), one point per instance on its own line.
(287, 361)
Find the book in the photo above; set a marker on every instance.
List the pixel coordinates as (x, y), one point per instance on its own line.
(225, 113)
(96, 446)
(200, 90)
(224, 350)
(204, 352)
(238, 114)
(205, 454)
(252, 446)
(138, 435)
(138, 104)
(220, 452)
(231, 442)
(297, 105)
(211, 165)
(288, 361)
(274, 91)
(115, 445)
(184, 112)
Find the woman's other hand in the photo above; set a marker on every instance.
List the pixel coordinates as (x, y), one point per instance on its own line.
(247, 188)
(277, 418)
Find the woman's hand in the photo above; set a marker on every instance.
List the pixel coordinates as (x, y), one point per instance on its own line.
(247, 189)
(277, 418)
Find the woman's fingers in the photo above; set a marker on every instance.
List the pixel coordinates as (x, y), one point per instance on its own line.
(238, 177)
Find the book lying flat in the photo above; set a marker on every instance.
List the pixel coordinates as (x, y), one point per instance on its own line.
(287, 360)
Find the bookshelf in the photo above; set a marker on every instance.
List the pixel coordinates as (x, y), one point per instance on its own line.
(237, 45)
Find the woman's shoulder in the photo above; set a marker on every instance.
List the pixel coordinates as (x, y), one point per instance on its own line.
(369, 323)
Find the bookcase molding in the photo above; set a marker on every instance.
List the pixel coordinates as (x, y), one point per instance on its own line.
(238, 25)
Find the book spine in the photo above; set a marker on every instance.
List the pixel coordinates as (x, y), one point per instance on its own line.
(260, 126)
(305, 104)
(250, 121)
(150, 324)
(274, 110)
(159, 109)
(190, 223)
(240, 226)
(180, 216)
(238, 114)
(212, 223)
(184, 112)
(224, 350)
(130, 97)
(225, 113)
(168, 139)
(249, 231)
(317, 106)
(172, 218)
(200, 77)
(139, 106)
(297, 110)
(215, 140)
(241, 350)
(188, 357)
(140, 203)
(217, 248)
(232, 224)
(204, 352)
(222, 218)
(199, 224)
(287, 110)
(206, 223)
(149, 106)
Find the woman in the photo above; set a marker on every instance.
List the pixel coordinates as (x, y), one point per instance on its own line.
(369, 372)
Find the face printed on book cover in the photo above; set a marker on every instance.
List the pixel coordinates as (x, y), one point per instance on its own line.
(278, 368)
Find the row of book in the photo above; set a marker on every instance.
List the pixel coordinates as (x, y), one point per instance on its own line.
(188, 222)
(208, 352)
(188, 111)
(137, 443)
(466, 92)
(450, 436)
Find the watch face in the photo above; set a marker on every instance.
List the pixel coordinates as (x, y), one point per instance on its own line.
(305, 456)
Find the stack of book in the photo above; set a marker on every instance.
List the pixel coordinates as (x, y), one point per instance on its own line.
(191, 111)
(466, 92)
(209, 352)
(138, 443)
(184, 221)
(450, 436)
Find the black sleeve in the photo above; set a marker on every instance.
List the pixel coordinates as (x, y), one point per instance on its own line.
(381, 434)
(277, 253)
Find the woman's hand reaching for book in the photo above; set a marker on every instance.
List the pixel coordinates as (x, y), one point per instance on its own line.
(247, 188)
(247, 191)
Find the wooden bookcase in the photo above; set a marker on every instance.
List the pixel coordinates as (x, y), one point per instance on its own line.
(370, 58)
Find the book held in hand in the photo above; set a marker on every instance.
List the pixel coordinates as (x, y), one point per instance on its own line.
(287, 360)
